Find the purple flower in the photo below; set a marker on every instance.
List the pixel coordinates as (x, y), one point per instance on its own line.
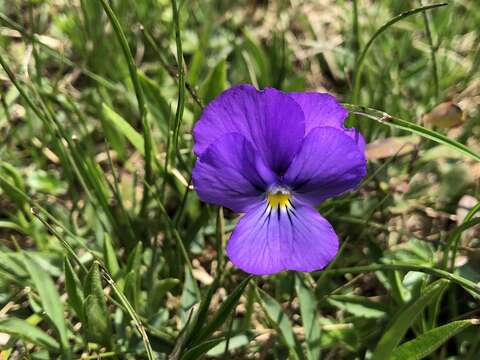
(274, 156)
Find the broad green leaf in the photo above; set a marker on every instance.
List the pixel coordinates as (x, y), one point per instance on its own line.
(116, 140)
(335, 332)
(109, 256)
(13, 191)
(282, 324)
(26, 331)
(399, 293)
(43, 181)
(404, 319)
(135, 258)
(97, 325)
(12, 264)
(358, 305)
(132, 280)
(74, 289)
(215, 83)
(159, 107)
(189, 295)
(131, 289)
(309, 313)
(97, 322)
(133, 136)
(49, 297)
(428, 342)
(159, 290)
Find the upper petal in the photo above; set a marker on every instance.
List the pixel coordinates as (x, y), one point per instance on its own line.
(266, 241)
(229, 173)
(328, 164)
(322, 109)
(271, 120)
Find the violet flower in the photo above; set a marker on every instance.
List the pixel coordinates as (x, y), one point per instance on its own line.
(274, 156)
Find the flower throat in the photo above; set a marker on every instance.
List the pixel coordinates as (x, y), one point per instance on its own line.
(278, 197)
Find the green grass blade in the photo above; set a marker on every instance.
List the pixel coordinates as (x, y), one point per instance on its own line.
(308, 311)
(468, 285)
(110, 257)
(147, 137)
(215, 83)
(428, 342)
(454, 238)
(281, 323)
(404, 320)
(201, 349)
(49, 298)
(433, 54)
(26, 331)
(172, 71)
(380, 31)
(395, 122)
(59, 56)
(200, 317)
(181, 77)
(73, 289)
(35, 108)
(179, 240)
(132, 135)
(130, 310)
(223, 312)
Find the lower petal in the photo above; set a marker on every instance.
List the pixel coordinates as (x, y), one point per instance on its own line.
(266, 240)
(313, 242)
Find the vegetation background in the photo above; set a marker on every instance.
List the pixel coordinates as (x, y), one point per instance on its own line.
(105, 250)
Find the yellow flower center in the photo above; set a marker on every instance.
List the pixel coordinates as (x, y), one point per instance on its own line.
(278, 198)
(275, 200)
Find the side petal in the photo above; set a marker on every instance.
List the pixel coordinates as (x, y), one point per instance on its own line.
(271, 120)
(266, 241)
(229, 173)
(322, 109)
(357, 137)
(328, 164)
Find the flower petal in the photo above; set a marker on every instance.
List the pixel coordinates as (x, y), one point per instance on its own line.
(271, 120)
(328, 164)
(266, 241)
(229, 173)
(357, 137)
(322, 109)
